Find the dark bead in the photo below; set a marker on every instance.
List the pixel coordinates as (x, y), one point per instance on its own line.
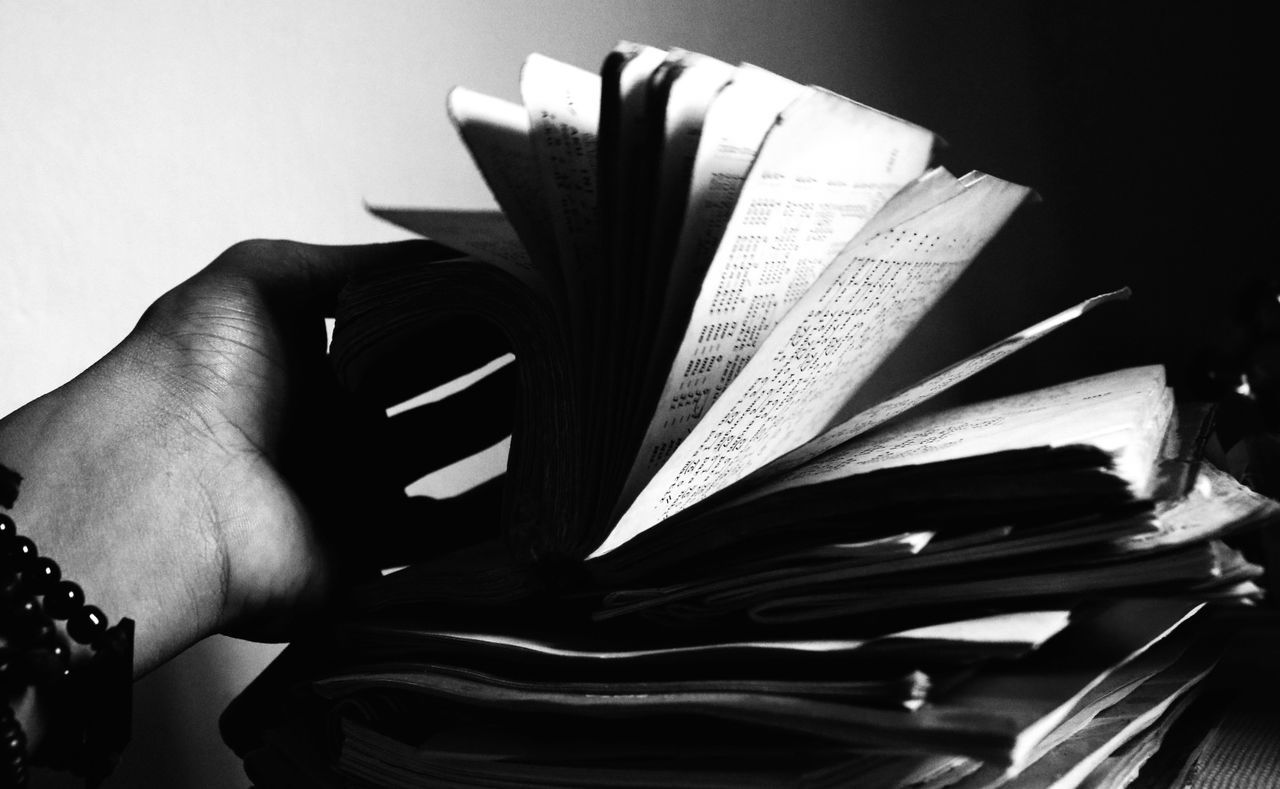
(12, 674)
(13, 749)
(13, 766)
(11, 582)
(23, 551)
(8, 529)
(41, 576)
(48, 663)
(14, 741)
(59, 652)
(87, 624)
(64, 600)
(27, 623)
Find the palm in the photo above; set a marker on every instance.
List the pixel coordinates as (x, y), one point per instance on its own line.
(240, 383)
(185, 480)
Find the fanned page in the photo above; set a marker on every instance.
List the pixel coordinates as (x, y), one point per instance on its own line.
(628, 139)
(630, 146)
(1124, 412)
(684, 87)
(731, 127)
(486, 235)
(496, 133)
(712, 133)
(696, 83)
(929, 387)
(563, 103)
(827, 165)
(859, 309)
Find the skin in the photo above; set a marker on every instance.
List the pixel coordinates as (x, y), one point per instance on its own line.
(177, 480)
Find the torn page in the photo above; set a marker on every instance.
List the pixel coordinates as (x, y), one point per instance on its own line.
(1216, 505)
(1100, 410)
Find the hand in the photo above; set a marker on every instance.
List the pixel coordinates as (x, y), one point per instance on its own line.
(171, 479)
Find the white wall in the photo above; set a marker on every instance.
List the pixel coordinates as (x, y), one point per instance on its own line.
(139, 139)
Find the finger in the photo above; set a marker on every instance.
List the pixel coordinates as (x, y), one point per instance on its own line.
(388, 349)
(310, 276)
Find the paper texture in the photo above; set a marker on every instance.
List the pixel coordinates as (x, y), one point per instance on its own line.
(846, 323)
(486, 235)
(825, 167)
(1086, 411)
(563, 103)
(496, 133)
(931, 386)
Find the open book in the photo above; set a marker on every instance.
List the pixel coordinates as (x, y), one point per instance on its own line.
(700, 268)
(708, 514)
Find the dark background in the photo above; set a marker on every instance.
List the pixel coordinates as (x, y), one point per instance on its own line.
(1145, 130)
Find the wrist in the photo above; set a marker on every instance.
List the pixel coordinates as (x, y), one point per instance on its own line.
(102, 494)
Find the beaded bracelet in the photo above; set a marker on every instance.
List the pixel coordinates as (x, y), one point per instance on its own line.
(88, 702)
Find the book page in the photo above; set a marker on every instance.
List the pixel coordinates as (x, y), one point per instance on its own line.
(496, 133)
(1012, 627)
(825, 168)
(630, 145)
(1193, 565)
(682, 90)
(1036, 701)
(486, 235)
(1085, 411)
(731, 128)
(686, 86)
(933, 385)
(1025, 627)
(697, 87)
(1216, 505)
(1075, 760)
(563, 103)
(1123, 702)
(861, 307)
(626, 161)
(716, 119)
